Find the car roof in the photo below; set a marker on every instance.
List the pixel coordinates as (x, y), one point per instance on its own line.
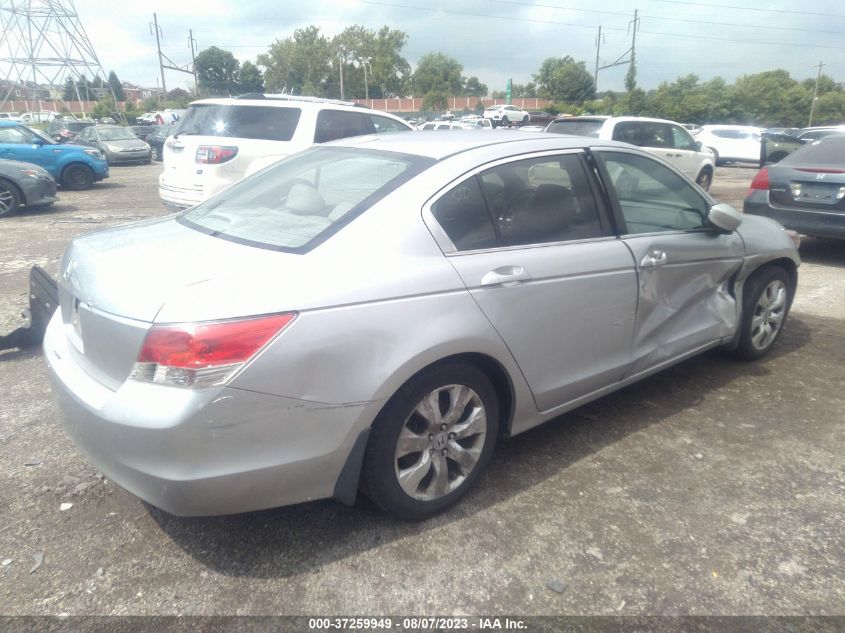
(439, 146)
(8, 123)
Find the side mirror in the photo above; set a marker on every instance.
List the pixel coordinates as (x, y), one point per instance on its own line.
(38, 141)
(724, 216)
(698, 146)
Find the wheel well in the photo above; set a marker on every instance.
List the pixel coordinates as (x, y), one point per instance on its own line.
(791, 272)
(15, 188)
(706, 168)
(498, 377)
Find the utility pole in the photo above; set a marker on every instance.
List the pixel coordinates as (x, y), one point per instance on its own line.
(631, 77)
(193, 44)
(365, 62)
(340, 65)
(815, 93)
(598, 50)
(158, 45)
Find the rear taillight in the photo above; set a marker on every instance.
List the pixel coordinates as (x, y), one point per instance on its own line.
(204, 354)
(215, 154)
(761, 180)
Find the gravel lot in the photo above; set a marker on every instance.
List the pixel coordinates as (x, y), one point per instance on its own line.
(713, 488)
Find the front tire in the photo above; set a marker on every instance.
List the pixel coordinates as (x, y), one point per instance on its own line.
(505, 121)
(705, 179)
(431, 441)
(766, 298)
(10, 199)
(78, 177)
(156, 154)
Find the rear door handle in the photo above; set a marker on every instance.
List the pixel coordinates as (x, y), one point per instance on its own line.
(505, 276)
(654, 258)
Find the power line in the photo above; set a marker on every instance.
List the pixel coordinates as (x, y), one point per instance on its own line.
(729, 6)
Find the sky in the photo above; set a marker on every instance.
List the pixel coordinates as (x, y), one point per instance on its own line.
(495, 39)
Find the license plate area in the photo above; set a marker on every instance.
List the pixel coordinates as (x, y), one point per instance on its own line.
(821, 193)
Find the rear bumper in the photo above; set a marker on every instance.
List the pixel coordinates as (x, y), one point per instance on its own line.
(805, 221)
(203, 452)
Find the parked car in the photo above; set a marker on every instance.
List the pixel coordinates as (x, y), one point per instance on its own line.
(72, 166)
(148, 118)
(219, 141)
(815, 133)
(731, 143)
(24, 185)
(141, 132)
(9, 116)
(157, 139)
(666, 139)
(506, 115)
(806, 190)
(378, 311)
(65, 130)
(777, 143)
(118, 144)
(38, 117)
(457, 125)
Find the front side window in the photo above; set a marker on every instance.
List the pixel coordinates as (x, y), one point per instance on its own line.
(383, 125)
(682, 139)
(652, 197)
(301, 201)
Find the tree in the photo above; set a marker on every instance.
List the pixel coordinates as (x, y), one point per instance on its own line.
(435, 100)
(250, 79)
(437, 72)
(564, 79)
(217, 71)
(474, 88)
(631, 75)
(116, 87)
(299, 61)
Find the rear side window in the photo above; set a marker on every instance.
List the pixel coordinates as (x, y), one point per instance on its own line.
(463, 215)
(644, 134)
(240, 121)
(335, 124)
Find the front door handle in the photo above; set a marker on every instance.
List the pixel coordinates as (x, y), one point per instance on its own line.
(505, 276)
(654, 258)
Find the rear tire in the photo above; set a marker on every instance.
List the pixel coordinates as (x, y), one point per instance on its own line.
(525, 120)
(766, 298)
(78, 177)
(10, 199)
(431, 441)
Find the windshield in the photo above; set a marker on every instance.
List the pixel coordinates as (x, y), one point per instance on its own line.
(301, 201)
(240, 121)
(576, 127)
(116, 134)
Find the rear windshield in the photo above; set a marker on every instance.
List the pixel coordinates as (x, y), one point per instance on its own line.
(576, 128)
(299, 202)
(829, 150)
(77, 126)
(240, 121)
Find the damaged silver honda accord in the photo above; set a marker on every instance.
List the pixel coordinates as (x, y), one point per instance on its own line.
(373, 313)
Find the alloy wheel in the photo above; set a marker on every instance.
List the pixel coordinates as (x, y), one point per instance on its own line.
(768, 314)
(440, 442)
(7, 200)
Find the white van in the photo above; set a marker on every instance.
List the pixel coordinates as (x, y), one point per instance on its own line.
(220, 141)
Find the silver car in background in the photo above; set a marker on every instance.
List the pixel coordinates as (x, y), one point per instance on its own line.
(373, 313)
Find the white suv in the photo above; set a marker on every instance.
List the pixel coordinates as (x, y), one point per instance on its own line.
(666, 139)
(220, 141)
(739, 143)
(506, 114)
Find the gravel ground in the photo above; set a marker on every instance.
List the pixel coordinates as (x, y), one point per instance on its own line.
(714, 488)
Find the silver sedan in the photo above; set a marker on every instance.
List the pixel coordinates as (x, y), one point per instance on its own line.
(372, 314)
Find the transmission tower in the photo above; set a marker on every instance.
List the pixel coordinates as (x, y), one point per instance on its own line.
(43, 42)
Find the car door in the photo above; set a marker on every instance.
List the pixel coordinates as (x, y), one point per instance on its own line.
(685, 266)
(19, 143)
(536, 251)
(685, 155)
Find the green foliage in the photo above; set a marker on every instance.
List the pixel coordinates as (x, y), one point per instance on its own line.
(217, 71)
(116, 87)
(474, 88)
(564, 79)
(631, 75)
(438, 73)
(436, 100)
(250, 78)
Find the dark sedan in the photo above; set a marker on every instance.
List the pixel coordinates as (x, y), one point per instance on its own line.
(806, 190)
(157, 138)
(24, 185)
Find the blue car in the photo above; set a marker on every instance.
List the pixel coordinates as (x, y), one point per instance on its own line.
(73, 166)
